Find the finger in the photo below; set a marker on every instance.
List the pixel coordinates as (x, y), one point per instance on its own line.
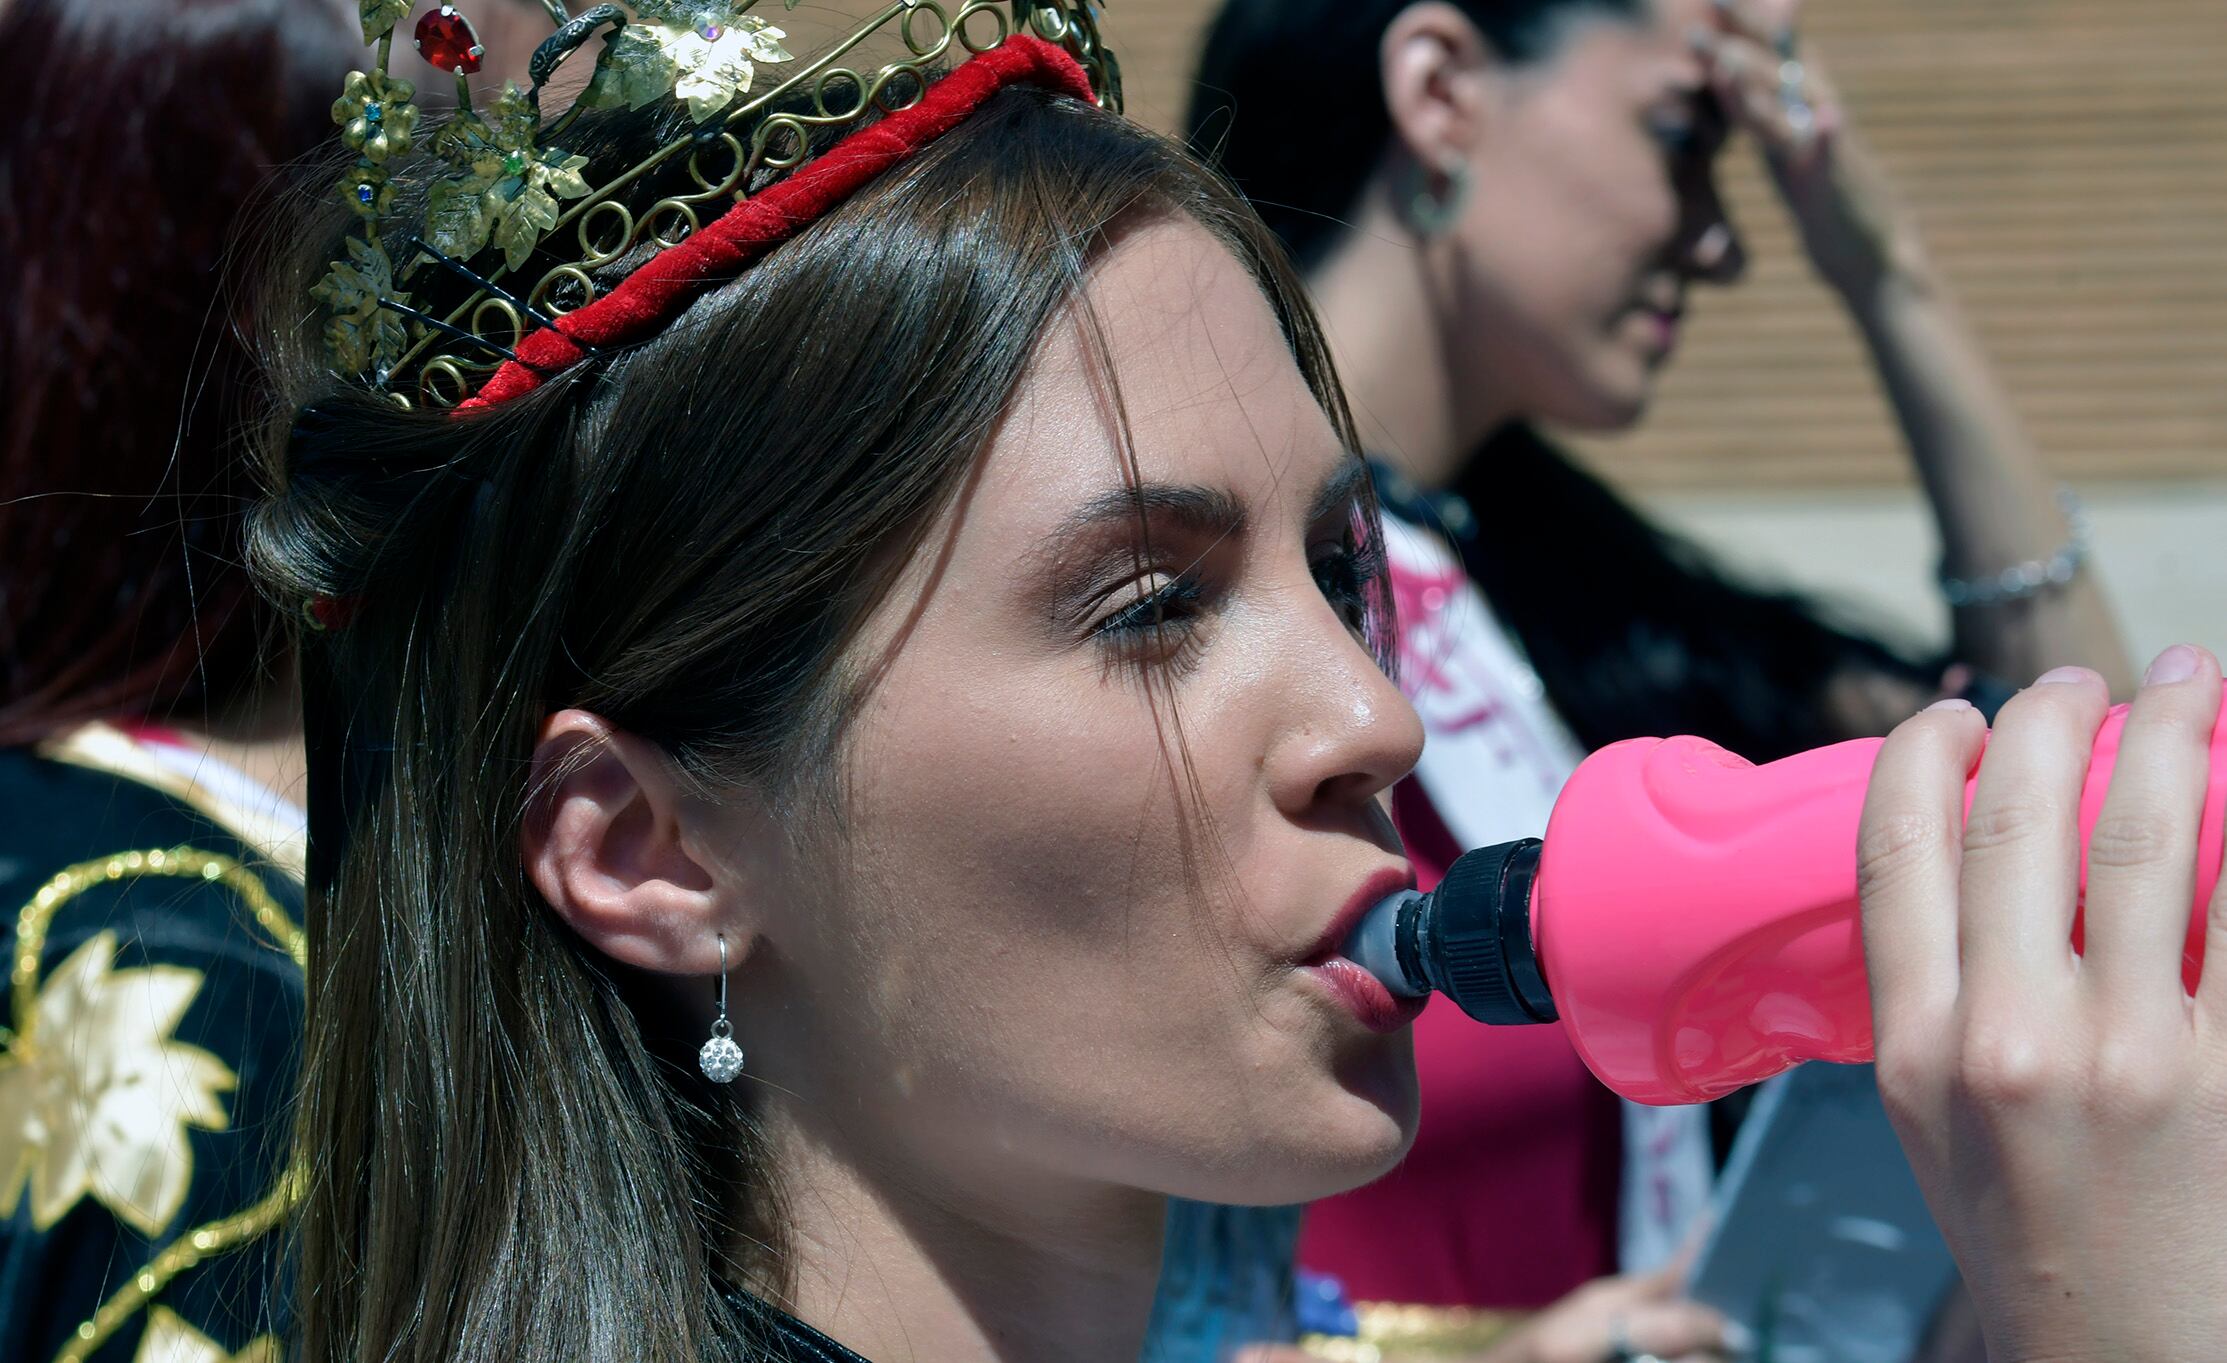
(1628, 1291)
(2142, 847)
(2211, 989)
(1752, 87)
(1675, 1328)
(2020, 879)
(1909, 848)
(1770, 25)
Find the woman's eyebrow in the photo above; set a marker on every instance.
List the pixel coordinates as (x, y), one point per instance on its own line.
(1339, 491)
(1202, 510)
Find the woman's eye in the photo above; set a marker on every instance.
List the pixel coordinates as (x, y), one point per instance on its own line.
(1171, 604)
(1677, 137)
(1346, 575)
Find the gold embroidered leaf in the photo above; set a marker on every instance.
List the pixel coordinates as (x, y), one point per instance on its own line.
(168, 1338)
(96, 1097)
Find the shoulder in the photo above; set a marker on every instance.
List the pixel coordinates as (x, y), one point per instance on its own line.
(86, 852)
(149, 1033)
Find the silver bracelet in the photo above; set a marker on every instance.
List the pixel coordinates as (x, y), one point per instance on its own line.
(2022, 580)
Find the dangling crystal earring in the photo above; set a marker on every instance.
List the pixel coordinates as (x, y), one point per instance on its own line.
(721, 1058)
(1433, 207)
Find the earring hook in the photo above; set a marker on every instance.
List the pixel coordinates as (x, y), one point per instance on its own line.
(721, 993)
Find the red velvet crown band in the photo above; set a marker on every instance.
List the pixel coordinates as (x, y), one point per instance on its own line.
(672, 278)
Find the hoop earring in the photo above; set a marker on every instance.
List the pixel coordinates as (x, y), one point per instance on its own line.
(721, 1058)
(1435, 198)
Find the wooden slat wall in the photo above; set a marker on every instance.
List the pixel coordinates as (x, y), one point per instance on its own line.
(2069, 161)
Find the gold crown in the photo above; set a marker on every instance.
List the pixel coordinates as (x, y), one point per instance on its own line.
(508, 189)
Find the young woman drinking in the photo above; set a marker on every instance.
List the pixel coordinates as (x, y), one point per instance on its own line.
(838, 783)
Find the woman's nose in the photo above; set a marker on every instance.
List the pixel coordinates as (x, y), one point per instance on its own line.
(1351, 734)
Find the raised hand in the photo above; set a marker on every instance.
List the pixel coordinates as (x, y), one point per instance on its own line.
(1769, 84)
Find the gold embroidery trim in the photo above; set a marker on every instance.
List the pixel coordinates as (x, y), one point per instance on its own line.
(1402, 1330)
(202, 1242)
(227, 1233)
(103, 748)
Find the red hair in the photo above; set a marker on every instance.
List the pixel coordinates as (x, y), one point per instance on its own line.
(138, 130)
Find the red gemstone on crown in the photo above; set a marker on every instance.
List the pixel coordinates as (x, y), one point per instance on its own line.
(446, 41)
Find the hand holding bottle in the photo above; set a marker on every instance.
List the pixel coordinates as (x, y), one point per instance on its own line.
(2065, 1113)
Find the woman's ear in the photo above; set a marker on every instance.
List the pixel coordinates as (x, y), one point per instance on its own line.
(1434, 61)
(606, 841)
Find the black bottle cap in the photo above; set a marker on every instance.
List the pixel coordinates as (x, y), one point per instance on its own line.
(1475, 940)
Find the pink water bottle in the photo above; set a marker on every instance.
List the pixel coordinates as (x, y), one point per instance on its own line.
(1691, 917)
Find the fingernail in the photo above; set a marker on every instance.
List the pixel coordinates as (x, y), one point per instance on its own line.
(1738, 1338)
(2059, 676)
(2176, 664)
(1949, 703)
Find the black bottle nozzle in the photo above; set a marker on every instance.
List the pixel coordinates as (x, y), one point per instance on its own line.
(1469, 939)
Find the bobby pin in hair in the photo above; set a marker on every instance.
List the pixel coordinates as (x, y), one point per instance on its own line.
(446, 329)
(460, 269)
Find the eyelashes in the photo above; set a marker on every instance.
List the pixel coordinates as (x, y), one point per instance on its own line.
(1176, 602)
(1348, 576)
(1164, 625)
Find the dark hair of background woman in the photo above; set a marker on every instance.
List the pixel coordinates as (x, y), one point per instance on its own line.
(1632, 629)
(124, 168)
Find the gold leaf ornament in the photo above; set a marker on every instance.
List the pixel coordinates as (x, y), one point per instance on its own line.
(375, 114)
(456, 220)
(704, 55)
(632, 71)
(96, 1097)
(361, 335)
(506, 188)
(380, 16)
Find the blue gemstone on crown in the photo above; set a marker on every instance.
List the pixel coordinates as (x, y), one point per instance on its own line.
(372, 113)
(710, 33)
(365, 194)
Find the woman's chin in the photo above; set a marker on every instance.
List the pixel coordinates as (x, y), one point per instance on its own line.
(1351, 1137)
(1608, 411)
(1607, 395)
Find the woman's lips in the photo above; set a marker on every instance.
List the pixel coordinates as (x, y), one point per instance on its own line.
(1364, 995)
(1359, 992)
(1373, 891)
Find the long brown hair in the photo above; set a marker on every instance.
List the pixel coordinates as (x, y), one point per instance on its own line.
(511, 1156)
